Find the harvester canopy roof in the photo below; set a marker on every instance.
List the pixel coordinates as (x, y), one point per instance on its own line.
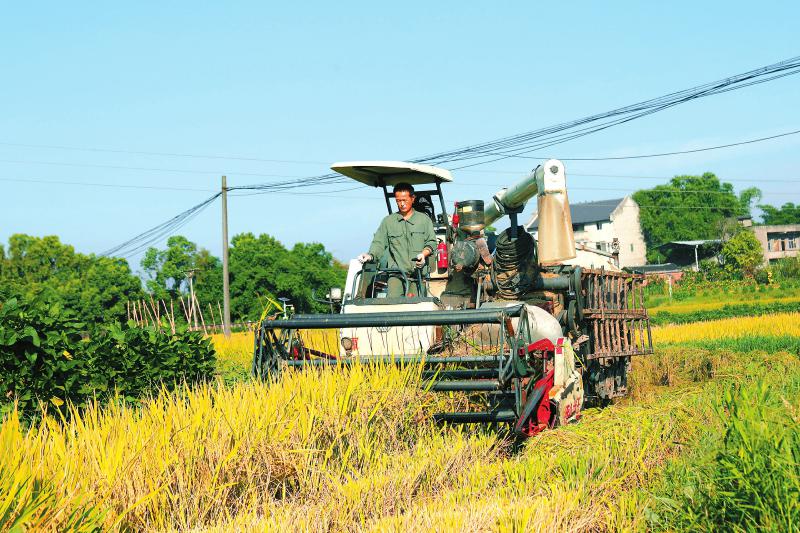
(390, 173)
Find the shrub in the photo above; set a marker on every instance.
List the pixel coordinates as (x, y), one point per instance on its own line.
(48, 356)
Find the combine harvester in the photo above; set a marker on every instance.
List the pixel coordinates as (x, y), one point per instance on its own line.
(501, 318)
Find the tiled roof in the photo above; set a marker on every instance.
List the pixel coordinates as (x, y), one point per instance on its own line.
(589, 211)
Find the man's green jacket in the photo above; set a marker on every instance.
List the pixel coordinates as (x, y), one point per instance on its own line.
(405, 239)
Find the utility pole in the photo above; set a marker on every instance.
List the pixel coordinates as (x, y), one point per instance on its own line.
(226, 289)
(192, 307)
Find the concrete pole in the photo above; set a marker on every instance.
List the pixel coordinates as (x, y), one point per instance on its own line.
(226, 289)
(191, 295)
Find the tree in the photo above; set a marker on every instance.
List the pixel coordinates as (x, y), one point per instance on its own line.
(262, 267)
(167, 269)
(208, 277)
(742, 254)
(787, 214)
(96, 288)
(689, 207)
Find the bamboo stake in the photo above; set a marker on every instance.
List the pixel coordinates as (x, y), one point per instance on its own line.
(183, 307)
(170, 319)
(221, 319)
(200, 312)
(213, 320)
(149, 314)
(156, 314)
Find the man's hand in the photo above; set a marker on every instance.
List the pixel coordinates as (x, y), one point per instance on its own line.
(365, 258)
(419, 261)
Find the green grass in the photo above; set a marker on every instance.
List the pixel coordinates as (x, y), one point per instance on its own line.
(743, 475)
(659, 317)
(763, 343)
(715, 297)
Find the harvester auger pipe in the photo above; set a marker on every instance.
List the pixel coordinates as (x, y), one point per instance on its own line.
(396, 360)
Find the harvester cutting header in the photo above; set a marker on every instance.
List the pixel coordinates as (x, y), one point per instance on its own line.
(498, 316)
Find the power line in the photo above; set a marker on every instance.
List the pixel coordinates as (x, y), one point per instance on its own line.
(752, 181)
(663, 154)
(618, 189)
(148, 169)
(527, 142)
(625, 176)
(147, 238)
(516, 145)
(104, 185)
(163, 154)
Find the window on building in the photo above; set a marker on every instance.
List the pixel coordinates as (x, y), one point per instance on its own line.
(577, 227)
(631, 247)
(602, 246)
(793, 240)
(599, 225)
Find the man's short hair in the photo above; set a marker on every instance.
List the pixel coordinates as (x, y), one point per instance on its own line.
(400, 187)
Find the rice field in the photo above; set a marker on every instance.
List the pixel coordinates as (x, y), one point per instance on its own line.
(775, 325)
(355, 449)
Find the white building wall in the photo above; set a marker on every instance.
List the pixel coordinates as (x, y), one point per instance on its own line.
(628, 229)
(624, 225)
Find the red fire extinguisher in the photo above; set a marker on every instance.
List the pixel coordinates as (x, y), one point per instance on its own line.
(441, 256)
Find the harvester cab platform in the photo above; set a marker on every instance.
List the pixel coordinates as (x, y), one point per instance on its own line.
(532, 340)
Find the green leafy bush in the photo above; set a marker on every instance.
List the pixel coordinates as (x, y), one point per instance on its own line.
(48, 356)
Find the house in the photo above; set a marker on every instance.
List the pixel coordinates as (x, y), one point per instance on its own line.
(607, 226)
(778, 241)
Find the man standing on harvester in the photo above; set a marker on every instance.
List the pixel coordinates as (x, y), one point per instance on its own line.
(409, 238)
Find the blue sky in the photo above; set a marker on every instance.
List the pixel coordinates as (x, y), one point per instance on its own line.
(306, 84)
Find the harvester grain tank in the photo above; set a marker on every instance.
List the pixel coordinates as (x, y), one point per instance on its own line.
(500, 317)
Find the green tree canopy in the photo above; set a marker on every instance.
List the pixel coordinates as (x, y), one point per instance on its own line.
(742, 253)
(787, 214)
(167, 269)
(96, 288)
(261, 267)
(689, 207)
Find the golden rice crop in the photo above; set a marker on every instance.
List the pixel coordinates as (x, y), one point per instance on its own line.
(238, 349)
(346, 449)
(780, 324)
(336, 449)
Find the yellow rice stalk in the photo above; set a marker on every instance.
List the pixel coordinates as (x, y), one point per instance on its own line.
(238, 349)
(330, 450)
(780, 324)
(344, 449)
